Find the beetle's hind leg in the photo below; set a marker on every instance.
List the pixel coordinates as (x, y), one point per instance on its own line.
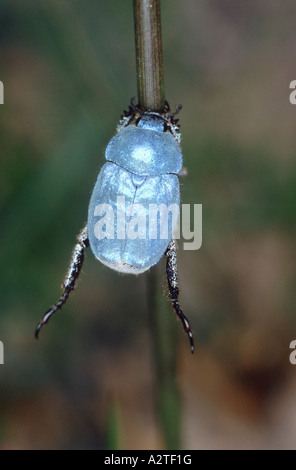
(71, 277)
(173, 285)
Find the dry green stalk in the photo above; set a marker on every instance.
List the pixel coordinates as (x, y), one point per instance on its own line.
(162, 320)
(149, 54)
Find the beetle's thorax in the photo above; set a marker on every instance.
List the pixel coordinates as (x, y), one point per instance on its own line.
(145, 148)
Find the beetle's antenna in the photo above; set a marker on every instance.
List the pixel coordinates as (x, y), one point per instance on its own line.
(178, 109)
(70, 279)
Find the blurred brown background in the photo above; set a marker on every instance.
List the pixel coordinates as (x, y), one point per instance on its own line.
(68, 69)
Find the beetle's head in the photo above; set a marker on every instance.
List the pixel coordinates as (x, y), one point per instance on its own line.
(152, 121)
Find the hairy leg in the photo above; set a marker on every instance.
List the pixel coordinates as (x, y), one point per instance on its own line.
(71, 277)
(172, 278)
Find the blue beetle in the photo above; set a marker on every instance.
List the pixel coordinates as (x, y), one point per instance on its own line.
(143, 162)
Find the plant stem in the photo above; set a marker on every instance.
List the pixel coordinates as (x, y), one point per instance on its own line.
(149, 54)
(163, 324)
(164, 339)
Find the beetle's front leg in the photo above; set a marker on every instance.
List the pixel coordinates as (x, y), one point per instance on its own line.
(172, 278)
(71, 277)
(128, 115)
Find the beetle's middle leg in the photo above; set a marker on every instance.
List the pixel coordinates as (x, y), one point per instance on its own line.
(71, 277)
(172, 278)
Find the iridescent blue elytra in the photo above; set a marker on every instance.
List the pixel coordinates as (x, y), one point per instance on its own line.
(143, 163)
